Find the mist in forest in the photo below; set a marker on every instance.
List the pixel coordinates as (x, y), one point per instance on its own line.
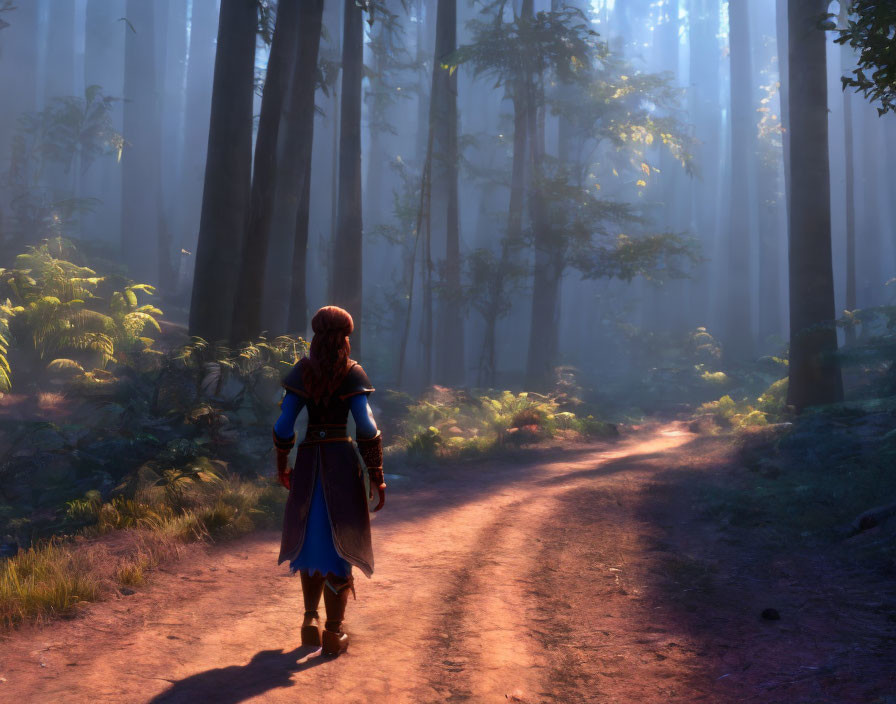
(494, 190)
(621, 279)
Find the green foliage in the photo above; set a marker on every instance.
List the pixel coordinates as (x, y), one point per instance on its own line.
(425, 443)
(869, 28)
(53, 308)
(450, 423)
(252, 371)
(6, 312)
(559, 40)
(773, 400)
(621, 113)
(746, 413)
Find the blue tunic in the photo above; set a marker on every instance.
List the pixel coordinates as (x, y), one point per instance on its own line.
(318, 554)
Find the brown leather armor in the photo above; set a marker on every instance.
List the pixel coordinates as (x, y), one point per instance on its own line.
(371, 450)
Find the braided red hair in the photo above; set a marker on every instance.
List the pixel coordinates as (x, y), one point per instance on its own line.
(328, 360)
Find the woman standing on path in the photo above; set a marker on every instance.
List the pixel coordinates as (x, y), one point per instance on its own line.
(326, 527)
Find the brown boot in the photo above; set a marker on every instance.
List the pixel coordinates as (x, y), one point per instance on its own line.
(312, 586)
(336, 591)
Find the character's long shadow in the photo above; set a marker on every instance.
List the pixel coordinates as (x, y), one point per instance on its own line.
(267, 670)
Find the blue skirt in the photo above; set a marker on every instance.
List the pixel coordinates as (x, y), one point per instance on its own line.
(318, 554)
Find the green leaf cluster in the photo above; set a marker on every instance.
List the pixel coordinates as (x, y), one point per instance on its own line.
(870, 28)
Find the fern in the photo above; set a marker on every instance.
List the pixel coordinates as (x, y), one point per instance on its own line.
(54, 308)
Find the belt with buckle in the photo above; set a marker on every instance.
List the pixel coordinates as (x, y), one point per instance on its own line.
(326, 433)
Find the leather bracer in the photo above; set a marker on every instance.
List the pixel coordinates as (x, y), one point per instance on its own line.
(283, 448)
(371, 450)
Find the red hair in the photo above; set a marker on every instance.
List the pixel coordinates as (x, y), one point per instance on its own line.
(328, 361)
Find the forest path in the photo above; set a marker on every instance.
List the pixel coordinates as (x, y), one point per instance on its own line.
(582, 576)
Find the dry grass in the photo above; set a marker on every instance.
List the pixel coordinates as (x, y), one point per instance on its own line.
(130, 539)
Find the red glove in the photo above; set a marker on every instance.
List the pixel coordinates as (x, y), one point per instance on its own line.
(282, 448)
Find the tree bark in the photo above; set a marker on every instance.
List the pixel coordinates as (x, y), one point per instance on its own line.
(704, 59)
(449, 352)
(782, 40)
(141, 162)
(849, 153)
(250, 284)
(60, 50)
(770, 313)
(225, 198)
(814, 371)
(738, 343)
(301, 117)
(103, 48)
(297, 321)
(347, 267)
(203, 30)
(549, 262)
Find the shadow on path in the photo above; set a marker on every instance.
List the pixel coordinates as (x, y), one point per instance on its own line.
(267, 670)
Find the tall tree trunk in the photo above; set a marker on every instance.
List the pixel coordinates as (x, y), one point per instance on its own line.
(61, 80)
(377, 124)
(767, 186)
(738, 343)
(141, 162)
(449, 340)
(521, 98)
(347, 267)
(301, 116)
(250, 284)
(18, 87)
(520, 158)
(168, 89)
(814, 371)
(547, 274)
(426, 328)
(198, 98)
(103, 48)
(423, 98)
(297, 322)
(782, 40)
(704, 59)
(549, 257)
(422, 218)
(873, 270)
(769, 196)
(225, 198)
(334, 190)
(846, 65)
(173, 62)
(667, 305)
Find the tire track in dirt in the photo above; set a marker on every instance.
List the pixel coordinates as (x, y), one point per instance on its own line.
(481, 650)
(497, 637)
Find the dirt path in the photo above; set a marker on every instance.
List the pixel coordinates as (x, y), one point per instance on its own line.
(588, 577)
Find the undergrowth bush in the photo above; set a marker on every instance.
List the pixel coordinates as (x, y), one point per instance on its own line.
(450, 423)
(769, 407)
